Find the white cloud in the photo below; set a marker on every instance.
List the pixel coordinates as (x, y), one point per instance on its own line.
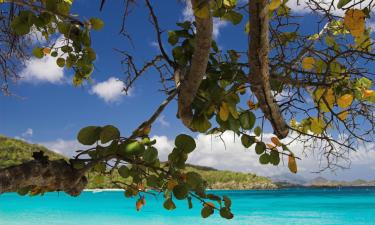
(217, 23)
(233, 156)
(299, 6)
(162, 121)
(42, 70)
(28, 133)
(110, 91)
(64, 147)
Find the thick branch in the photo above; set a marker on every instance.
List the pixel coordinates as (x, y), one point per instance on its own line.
(55, 175)
(259, 66)
(192, 80)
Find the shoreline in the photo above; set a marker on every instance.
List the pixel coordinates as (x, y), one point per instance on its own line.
(312, 187)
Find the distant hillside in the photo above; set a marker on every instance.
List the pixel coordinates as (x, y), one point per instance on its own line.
(322, 182)
(287, 180)
(14, 152)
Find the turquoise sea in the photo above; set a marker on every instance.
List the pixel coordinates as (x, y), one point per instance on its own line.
(303, 206)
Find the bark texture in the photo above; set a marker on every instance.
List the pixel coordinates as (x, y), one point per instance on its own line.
(259, 76)
(56, 175)
(194, 76)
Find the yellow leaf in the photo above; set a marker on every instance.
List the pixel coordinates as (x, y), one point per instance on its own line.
(247, 27)
(317, 125)
(293, 122)
(345, 100)
(171, 184)
(354, 21)
(224, 111)
(241, 89)
(276, 141)
(292, 164)
(343, 115)
(274, 4)
(251, 104)
(367, 93)
(325, 99)
(229, 3)
(308, 63)
(46, 51)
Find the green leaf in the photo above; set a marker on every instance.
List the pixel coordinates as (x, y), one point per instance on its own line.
(124, 171)
(342, 3)
(260, 147)
(247, 120)
(152, 181)
(96, 23)
(109, 133)
(169, 204)
(274, 158)
(185, 142)
(20, 25)
(150, 155)
(258, 131)
(60, 62)
(233, 17)
(181, 191)
(88, 135)
(38, 52)
(201, 123)
(172, 38)
(264, 159)
(247, 140)
(207, 211)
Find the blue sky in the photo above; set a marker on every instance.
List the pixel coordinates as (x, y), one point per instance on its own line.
(47, 109)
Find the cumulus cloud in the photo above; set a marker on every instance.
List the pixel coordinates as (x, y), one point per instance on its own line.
(64, 147)
(217, 23)
(211, 151)
(28, 133)
(302, 7)
(42, 70)
(110, 91)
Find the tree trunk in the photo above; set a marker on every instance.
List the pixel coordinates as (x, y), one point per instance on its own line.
(259, 77)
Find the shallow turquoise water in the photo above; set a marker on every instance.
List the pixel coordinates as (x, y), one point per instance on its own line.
(288, 206)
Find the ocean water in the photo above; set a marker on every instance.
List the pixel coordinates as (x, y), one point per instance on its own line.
(303, 206)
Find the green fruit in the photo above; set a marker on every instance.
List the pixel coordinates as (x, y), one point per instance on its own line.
(132, 148)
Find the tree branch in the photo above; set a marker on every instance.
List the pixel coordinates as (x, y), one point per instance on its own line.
(56, 175)
(191, 81)
(259, 77)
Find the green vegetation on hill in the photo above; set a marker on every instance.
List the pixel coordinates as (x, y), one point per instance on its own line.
(14, 152)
